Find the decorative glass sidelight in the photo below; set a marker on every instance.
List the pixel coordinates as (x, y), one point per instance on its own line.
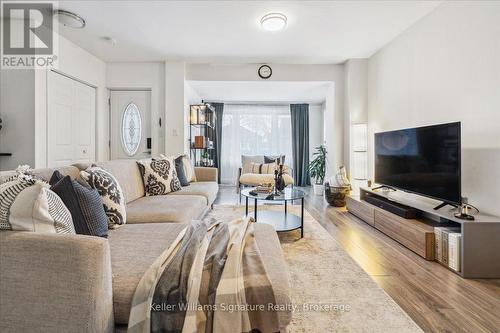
(131, 129)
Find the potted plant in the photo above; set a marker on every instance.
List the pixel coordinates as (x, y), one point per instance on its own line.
(317, 169)
(205, 156)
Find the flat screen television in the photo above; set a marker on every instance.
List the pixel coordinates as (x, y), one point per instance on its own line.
(422, 160)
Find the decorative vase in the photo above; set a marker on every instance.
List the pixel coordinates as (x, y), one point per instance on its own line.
(280, 182)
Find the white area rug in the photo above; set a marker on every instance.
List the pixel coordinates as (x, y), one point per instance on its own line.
(331, 292)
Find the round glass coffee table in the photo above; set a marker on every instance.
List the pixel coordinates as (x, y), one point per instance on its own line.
(281, 221)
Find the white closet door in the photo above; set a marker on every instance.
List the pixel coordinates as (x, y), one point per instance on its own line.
(70, 121)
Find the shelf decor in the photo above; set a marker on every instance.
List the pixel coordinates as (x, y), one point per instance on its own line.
(198, 114)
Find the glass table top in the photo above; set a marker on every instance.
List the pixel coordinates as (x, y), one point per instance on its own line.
(288, 194)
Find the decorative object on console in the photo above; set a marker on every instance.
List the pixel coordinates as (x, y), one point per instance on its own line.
(111, 194)
(317, 169)
(463, 211)
(159, 176)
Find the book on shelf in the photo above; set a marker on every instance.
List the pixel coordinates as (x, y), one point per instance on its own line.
(454, 250)
(442, 243)
(437, 244)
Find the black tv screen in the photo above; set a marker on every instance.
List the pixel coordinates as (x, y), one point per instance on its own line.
(422, 160)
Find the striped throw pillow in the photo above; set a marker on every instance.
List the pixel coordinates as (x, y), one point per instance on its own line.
(29, 205)
(265, 168)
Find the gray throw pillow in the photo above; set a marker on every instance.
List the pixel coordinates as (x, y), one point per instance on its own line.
(280, 159)
(179, 168)
(84, 204)
(92, 209)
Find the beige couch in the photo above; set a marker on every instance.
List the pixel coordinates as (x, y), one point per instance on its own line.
(75, 283)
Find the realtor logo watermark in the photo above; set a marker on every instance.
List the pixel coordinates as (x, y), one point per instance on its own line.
(28, 38)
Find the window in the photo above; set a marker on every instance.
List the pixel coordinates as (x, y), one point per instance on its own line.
(253, 130)
(131, 129)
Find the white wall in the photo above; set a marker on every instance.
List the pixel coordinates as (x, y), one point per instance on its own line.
(24, 103)
(78, 63)
(17, 110)
(355, 109)
(143, 75)
(446, 68)
(175, 104)
(316, 135)
(333, 108)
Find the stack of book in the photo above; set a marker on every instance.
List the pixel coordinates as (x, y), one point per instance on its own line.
(266, 188)
(448, 247)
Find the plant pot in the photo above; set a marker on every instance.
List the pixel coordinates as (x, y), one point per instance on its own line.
(318, 189)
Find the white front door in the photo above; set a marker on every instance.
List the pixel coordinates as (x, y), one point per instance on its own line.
(130, 124)
(70, 121)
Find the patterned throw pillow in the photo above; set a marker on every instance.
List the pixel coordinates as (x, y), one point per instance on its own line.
(29, 205)
(188, 168)
(263, 168)
(111, 193)
(159, 176)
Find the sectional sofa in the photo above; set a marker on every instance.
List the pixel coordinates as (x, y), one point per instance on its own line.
(76, 283)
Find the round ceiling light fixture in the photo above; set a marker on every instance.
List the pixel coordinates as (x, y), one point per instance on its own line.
(69, 19)
(273, 21)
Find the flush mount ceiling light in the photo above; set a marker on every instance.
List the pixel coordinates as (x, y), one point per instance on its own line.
(273, 22)
(69, 19)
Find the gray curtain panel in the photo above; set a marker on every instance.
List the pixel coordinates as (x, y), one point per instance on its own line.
(300, 143)
(219, 110)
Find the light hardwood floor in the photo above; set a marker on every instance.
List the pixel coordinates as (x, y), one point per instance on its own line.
(435, 298)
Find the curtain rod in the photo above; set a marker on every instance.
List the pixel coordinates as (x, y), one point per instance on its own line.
(262, 103)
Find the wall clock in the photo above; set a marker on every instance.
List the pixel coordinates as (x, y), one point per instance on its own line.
(265, 72)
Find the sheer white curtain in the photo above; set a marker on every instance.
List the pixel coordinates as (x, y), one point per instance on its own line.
(250, 129)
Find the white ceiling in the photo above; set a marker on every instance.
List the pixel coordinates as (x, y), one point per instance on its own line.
(318, 32)
(262, 91)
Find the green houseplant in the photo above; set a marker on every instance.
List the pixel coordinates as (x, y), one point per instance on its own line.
(317, 169)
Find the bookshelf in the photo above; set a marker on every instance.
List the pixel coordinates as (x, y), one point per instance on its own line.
(202, 134)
